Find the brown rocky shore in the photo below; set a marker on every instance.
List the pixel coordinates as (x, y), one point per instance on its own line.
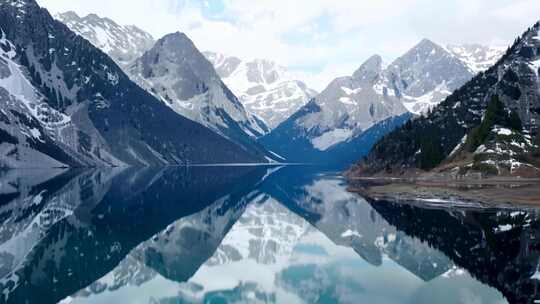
(435, 189)
(456, 179)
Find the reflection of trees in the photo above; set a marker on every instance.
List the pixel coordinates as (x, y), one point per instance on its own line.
(501, 249)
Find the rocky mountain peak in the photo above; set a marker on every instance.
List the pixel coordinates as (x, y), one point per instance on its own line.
(511, 87)
(123, 44)
(175, 53)
(371, 67)
(175, 71)
(422, 53)
(64, 102)
(426, 43)
(69, 15)
(425, 75)
(177, 38)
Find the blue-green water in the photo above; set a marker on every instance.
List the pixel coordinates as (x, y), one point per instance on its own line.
(251, 235)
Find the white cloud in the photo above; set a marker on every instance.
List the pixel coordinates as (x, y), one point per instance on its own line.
(318, 38)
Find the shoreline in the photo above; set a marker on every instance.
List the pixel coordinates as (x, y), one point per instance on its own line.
(506, 191)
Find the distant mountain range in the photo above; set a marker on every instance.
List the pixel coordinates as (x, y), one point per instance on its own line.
(66, 103)
(352, 109)
(174, 71)
(274, 118)
(265, 88)
(124, 44)
(488, 126)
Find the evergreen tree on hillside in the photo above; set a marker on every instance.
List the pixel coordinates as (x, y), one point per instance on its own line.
(496, 114)
(431, 154)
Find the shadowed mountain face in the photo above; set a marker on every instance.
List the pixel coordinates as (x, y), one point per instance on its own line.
(293, 234)
(66, 103)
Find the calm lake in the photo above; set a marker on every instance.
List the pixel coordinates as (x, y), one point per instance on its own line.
(251, 235)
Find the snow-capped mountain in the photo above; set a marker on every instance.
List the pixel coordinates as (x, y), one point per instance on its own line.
(178, 74)
(188, 85)
(477, 57)
(123, 44)
(349, 106)
(504, 146)
(426, 75)
(66, 103)
(265, 88)
(182, 77)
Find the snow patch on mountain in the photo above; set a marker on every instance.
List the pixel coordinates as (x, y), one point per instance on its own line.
(478, 58)
(123, 43)
(331, 138)
(266, 89)
(14, 80)
(418, 105)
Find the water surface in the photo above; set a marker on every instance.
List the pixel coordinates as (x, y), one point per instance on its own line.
(251, 235)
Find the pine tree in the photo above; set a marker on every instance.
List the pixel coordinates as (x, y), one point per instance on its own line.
(496, 114)
(431, 154)
(514, 122)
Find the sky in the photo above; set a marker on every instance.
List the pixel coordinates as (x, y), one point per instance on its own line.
(318, 40)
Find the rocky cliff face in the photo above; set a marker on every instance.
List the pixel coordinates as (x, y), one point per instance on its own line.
(66, 103)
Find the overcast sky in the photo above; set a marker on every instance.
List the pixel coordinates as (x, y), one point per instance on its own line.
(318, 39)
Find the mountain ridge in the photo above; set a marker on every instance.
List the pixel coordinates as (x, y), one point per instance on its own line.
(425, 142)
(112, 120)
(185, 81)
(122, 43)
(175, 72)
(351, 105)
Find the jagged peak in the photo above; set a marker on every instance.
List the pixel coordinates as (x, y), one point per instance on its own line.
(68, 15)
(72, 16)
(175, 38)
(372, 64)
(424, 48)
(427, 43)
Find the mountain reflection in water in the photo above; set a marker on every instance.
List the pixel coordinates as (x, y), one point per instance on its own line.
(251, 235)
